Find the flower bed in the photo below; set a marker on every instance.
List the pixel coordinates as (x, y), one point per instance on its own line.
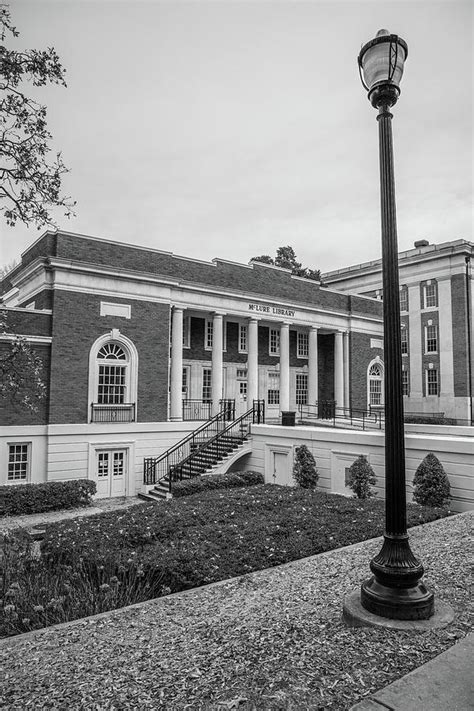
(122, 557)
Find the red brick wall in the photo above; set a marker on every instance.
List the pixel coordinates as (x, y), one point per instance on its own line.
(11, 412)
(76, 326)
(27, 323)
(460, 351)
(361, 355)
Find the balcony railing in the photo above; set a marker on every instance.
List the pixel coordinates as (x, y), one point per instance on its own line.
(124, 412)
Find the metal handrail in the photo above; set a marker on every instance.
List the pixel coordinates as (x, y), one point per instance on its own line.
(328, 411)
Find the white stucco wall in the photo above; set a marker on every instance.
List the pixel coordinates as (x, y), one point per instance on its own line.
(335, 449)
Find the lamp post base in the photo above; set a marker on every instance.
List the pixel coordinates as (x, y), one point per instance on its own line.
(396, 589)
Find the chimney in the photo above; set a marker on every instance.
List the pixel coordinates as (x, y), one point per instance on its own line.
(421, 243)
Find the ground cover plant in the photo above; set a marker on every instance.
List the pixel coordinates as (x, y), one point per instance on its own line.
(102, 562)
(229, 480)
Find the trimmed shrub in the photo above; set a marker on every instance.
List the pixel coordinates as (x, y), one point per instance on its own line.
(304, 469)
(361, 477)
(230, 480)
(431, 485)
(48, 496)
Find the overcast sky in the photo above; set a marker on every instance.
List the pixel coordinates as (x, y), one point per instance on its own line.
(227, 129)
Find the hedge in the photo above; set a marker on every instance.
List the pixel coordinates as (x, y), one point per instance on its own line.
(49, 496)
(230, 480)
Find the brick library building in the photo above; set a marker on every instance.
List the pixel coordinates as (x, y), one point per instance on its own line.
(140, 346)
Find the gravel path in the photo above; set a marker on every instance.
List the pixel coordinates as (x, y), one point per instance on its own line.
(269, 640)
(100, 505)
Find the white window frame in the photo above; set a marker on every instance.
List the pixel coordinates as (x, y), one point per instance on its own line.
(301, 394)
(404, 340)
(405, 382)
(206, 387)
(26, 446)
(431, 338)
(302, 344)
(430, 285)
(243, 338)
(404, 300)
(132, 368)
(274, 341)
(209, 334)
(371, 378)
(273, 379)
(186, 382)
(428, 383)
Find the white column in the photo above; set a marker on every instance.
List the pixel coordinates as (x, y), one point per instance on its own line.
(252, 368)
(217, 343)
(284, 367)
(338, 370)
(313, 366)
(176, 408)
(346, 369)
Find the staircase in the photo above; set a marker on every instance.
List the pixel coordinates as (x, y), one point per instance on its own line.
(201, 452)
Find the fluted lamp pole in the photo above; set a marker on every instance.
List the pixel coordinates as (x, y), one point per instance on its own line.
(396, 590)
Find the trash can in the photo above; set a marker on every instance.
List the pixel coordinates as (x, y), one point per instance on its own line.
(288, 419)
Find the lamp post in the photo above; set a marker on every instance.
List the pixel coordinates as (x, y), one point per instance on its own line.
(396, 590)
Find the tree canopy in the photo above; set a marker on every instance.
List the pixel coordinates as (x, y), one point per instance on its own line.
(21, 382)
(285, 257)
(29, 185)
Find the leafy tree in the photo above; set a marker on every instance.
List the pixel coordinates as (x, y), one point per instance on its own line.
(29, 185)
(304, 468)
(20, 371)
(361, 477)
(286, 258)
(431, 484)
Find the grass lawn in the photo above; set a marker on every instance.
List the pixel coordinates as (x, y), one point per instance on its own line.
(103, 562)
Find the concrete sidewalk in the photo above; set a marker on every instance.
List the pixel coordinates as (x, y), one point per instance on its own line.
(446, 682)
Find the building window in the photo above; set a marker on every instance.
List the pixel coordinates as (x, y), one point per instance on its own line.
(208, 333)
(273, 393)
(431, 339)
(404, 340)
(207, 385)
(185, 385)
(243, 338)
(241, 373)
(302, 344)
(432, 382)
(375, 382)
(430, 295)
(112, 385)
(274, 341)
(187, 332)
(404, 299)
(301, 389)
(243, 390)
(18, 462)
(405, 384)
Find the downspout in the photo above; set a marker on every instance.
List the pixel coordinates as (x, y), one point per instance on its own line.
(469, 334)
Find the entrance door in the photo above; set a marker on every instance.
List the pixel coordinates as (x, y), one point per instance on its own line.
(281, 470)
(111, 472)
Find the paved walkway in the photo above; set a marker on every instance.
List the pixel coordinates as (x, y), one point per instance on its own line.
(274, 639)
(444, 684)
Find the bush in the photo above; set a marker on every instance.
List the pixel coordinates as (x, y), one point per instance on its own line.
(229, 480)
(50, 496)
(304, 469)
(361, 477)
(431, 485)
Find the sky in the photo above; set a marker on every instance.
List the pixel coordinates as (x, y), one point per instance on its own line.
(228, 129)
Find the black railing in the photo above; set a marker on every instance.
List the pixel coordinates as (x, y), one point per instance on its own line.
(125, 412)
(354, 417)
(196, 410)
(195, 444)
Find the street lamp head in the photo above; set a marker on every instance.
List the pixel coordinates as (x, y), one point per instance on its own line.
(381, 67)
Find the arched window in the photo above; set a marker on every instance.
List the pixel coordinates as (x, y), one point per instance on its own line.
(113, 367)
(375, 383)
